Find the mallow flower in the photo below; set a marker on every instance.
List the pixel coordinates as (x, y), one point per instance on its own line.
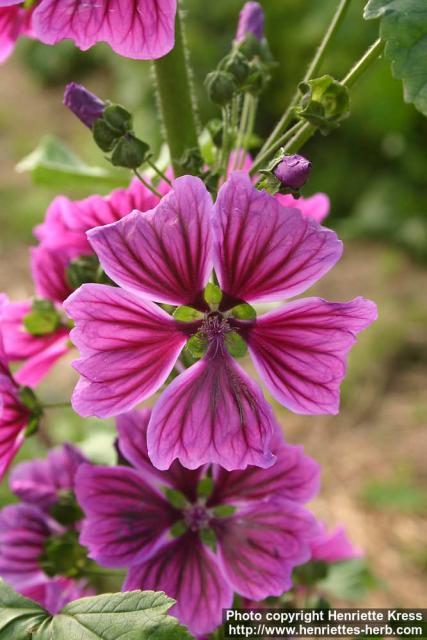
(40, 555)
(142, 29)
(199, 535)
(261, 252)
(333, 546)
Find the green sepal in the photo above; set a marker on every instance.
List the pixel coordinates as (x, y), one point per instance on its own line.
(325, 103)
(118, 118)
(235, 344)
(176, 498)
(104, 136)
(243, 312)
(250, 46)
(212, 294)
(205, 487)
(63, 555)
(238, 66)
(310, 573)
(66, 510)
(30, 400)
(208, 538)
(178, 529)
(129, 152)
(32, 426)
(42, 319)
(197, 345)
(187, 314)
(224, 510)
(85, 269)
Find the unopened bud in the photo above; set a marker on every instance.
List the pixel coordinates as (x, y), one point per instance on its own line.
(129, 152)
(293, 171)
(251, 20)
(84, 104)
(221, 87)
(239, 67)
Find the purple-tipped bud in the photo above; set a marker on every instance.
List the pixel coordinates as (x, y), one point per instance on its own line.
(251, 20)
(293, 171)
(84, 104)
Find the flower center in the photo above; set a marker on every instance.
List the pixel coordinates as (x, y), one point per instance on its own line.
(214, 328)
(196, 517)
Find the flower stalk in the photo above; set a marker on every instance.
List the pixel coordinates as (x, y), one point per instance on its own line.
(176, 102)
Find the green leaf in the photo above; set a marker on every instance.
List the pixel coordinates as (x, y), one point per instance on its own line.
(52, 164)
(404, 29)
(235, 344)
(349, 580)
(42, 319)
(213, 294)
(18, 615)
(187, 314)
(135, 615)
(244, 312)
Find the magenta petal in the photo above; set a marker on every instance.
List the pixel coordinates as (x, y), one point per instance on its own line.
(125, 517)
(38, 366)
(316, 206)
(163, 254)
(294, 476)
(132, 429)
(259, 547)
(40, 482)
(212, 413)
(13, 419)
(49, 266)
(141, 29)
(263, 251)
(301, 350)
(11, 27)
(188, 572)
(55, 593)
(128, 348)
(333, 546)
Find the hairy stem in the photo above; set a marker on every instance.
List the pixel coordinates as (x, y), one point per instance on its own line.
(176, 100)
(147, 184)
(312, 69)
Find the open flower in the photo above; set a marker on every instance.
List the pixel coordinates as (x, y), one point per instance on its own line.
(261, 251)
(142, 29)
(199, 535)
(39, 551)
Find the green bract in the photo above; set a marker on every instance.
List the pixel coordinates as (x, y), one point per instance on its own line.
(404, 29)
(325, 103)
(42, 319)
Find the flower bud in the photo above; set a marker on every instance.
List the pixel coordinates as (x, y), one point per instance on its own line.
(239, 67)
(84, 104)
(221, 87)
(251, 20)
(293, 171)
(129, 152)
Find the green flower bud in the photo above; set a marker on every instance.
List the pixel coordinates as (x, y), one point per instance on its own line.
(238, 66)
(129, 152)
(221, 87)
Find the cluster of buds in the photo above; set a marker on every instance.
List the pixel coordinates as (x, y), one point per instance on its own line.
(246, 69)
(111, 125)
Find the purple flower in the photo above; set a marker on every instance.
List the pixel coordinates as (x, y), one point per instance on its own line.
(316, 206)
(251, 20)
(261, 251)
(44, 482)
(31, 533)
(293, 171)
(240, 531)
(83, 103)
(142, 29)
(14, 415)
(333, 546)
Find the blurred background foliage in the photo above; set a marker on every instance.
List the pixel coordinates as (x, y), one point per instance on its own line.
(374, 169)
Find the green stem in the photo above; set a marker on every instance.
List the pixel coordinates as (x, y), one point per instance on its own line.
(312, 69)
(264, 156)
(242, 129)
(56, 405)
(159, 172)
(176, 100)
(372, 54)
(147, 184)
